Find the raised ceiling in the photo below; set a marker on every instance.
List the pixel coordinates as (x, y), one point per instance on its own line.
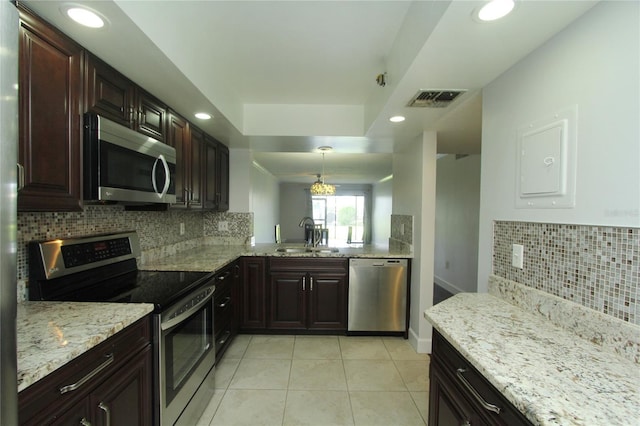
(284, 77)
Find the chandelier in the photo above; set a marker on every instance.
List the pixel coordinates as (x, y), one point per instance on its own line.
(319, 187)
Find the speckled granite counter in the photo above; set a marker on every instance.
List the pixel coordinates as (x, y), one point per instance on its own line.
(553, 376)
(209, 258)
(50, 334)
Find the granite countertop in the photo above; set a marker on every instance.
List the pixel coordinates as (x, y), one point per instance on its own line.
(50, 334)
(553, 376)
(210, 258)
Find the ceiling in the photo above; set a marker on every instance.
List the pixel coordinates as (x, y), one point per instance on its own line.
(285, 77)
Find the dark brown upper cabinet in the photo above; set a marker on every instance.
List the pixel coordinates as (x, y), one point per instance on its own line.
(114, 96)
(216, 184)
(50, 73)
(178, 137)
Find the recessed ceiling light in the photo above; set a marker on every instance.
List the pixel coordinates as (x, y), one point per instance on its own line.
(84, 16)
(397, 119)
(203, 115)
(495, 9)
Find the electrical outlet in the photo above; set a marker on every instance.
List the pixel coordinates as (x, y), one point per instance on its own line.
(181, 228)
(223, 226)
(517, 256)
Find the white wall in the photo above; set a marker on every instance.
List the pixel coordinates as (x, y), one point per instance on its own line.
(414, 189)
(265, 193)
(240, 165)
(456, 232)
(594, 64)
(293, 205)
(382, 207)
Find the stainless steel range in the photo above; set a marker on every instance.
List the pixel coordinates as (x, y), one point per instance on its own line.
(103, 268)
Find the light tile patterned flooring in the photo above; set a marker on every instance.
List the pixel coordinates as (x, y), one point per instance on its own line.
(319, 380)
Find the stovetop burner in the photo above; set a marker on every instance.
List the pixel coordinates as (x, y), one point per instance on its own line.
(103, 268)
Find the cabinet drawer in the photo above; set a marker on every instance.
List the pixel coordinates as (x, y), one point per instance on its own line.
(468, 380)
(104, 360)
(223, 310)
(308, 264)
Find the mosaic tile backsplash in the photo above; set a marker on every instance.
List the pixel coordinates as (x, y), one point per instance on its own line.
(595, 266)
(159, 232)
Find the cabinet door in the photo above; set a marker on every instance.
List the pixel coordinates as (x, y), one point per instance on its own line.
(196, 148)
(223, 178)
(287, 294)
(447, 406)
(50, 94)
(79, 414)
(253, 294)
(178, 138)
(151, 116)
(211, 173)
(125, 399)
(328, 301)
(109, 93)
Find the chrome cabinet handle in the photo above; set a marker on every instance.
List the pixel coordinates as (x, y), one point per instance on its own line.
(310, 283)
(107, 413)
(226, 301)
(85, 379)
(85, 422)
(487, 406)
(20, 176)
(304, 283)
(224, 339)
(224, 276)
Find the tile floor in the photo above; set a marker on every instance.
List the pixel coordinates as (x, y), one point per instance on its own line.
(320, 380)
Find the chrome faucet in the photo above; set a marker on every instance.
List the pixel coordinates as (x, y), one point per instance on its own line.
(306, 218)
(312, 239)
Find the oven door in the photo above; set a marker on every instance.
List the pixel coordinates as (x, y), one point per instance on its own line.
(186, 351)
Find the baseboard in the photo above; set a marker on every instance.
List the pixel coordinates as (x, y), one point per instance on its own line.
(422, 346)
(451, 288)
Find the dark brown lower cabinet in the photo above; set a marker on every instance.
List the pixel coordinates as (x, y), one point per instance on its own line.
(225, 324)
(308, 294)
(460, 395)
(119, 393)
(252, 314)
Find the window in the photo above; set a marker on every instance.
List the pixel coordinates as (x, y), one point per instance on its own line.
(342, 215)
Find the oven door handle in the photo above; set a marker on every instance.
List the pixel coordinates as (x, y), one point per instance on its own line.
(172, 322)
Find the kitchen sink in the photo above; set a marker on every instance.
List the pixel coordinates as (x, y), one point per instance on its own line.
(307, 250)
(291, 250)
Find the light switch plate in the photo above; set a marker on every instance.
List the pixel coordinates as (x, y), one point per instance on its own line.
(517, 256)
(223, 226)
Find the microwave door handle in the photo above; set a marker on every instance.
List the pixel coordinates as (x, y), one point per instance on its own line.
(153, 176)
(167, 177)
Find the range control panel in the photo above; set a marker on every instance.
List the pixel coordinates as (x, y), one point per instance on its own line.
(61, 257)
(86, 253)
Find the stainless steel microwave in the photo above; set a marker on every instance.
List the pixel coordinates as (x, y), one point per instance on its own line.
(121, 165)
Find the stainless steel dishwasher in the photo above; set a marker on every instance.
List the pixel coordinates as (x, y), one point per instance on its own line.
(377, 295)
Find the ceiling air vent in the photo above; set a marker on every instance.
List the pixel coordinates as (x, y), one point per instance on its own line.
(434, 98)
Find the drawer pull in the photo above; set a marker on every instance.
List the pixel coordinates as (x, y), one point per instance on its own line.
(85, 422)
(85, 379)
(107, 413)
(477, 396)
(223, 276)
(224, 339)
(226, 301)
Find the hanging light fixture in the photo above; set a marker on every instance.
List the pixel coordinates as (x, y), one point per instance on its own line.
(319, 187)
